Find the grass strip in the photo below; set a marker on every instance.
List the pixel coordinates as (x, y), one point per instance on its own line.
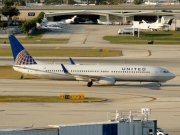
(159, 37)
(55, 52)
(36, 38)
(46, 99)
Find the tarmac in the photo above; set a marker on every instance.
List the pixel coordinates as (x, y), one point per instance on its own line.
(124, 96)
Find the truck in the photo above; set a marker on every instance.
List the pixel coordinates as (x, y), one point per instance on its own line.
(128, 31)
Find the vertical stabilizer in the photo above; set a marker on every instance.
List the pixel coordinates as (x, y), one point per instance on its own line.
(38, 26)
(98, 21)
(21, 56)
(74, 17)
(170, 21)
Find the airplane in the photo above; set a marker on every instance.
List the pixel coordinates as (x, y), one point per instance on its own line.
(151, 3)
(141, 26)
(46, 23)
(105, 23)
(52, 28)
(153, 26)
(158, 3)
(68, 21)
(102, 74)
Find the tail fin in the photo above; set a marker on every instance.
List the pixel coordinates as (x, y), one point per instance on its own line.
(38, 26)
(21, 56)
(98, 21)
(157, 21)
(74, 17)
(45, 19)
(170, 21)
(144, 22)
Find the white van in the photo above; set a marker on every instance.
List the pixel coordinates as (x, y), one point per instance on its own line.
(161, 132)
(128, 31)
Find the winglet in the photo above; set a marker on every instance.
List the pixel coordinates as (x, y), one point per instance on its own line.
(64, 69)
(72, 62)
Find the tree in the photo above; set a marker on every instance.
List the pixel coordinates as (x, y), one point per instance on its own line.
(9, 12)
(137, 2)
(8, 2)
(26, 26)
(71, 2)
(19, 3)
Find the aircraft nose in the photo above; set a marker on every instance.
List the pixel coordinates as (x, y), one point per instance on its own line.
(172, 75)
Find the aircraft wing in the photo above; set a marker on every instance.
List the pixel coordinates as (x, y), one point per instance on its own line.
(81, 77)
(86, 77)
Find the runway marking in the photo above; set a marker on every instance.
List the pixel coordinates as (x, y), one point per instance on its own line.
(15, 114)
(129, 98)
(73, 114)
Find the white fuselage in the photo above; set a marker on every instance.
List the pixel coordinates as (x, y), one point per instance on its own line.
(118, 72)
(53, 28)
(146, 26)
(52, 24)
(104, 23)
(156, 26)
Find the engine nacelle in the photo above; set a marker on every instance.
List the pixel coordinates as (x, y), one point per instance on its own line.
(106, 81)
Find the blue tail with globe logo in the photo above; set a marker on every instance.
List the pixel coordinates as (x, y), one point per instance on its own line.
(21, 56)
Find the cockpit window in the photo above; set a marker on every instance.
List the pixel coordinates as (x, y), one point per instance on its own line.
(166, 71)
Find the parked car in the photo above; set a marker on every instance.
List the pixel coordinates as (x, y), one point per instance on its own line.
(161, 132)
(128, 31)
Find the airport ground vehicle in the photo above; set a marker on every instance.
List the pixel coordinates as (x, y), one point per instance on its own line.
(161, 132)
(128, 31)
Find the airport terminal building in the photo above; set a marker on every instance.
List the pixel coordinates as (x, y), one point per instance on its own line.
(118, 124)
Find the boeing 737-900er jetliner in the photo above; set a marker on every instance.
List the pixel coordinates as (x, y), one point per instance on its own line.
(102, 74)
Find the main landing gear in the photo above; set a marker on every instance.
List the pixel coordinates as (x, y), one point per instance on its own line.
(89, 84)
(22, 77)
(159, 84)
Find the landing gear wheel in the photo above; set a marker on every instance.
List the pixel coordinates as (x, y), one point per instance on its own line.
(89, 84)
(22, 77)
(159, 84)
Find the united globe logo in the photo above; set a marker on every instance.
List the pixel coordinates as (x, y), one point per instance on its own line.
(24, 58)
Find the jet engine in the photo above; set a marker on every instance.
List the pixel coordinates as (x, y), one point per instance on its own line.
(106, 81)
